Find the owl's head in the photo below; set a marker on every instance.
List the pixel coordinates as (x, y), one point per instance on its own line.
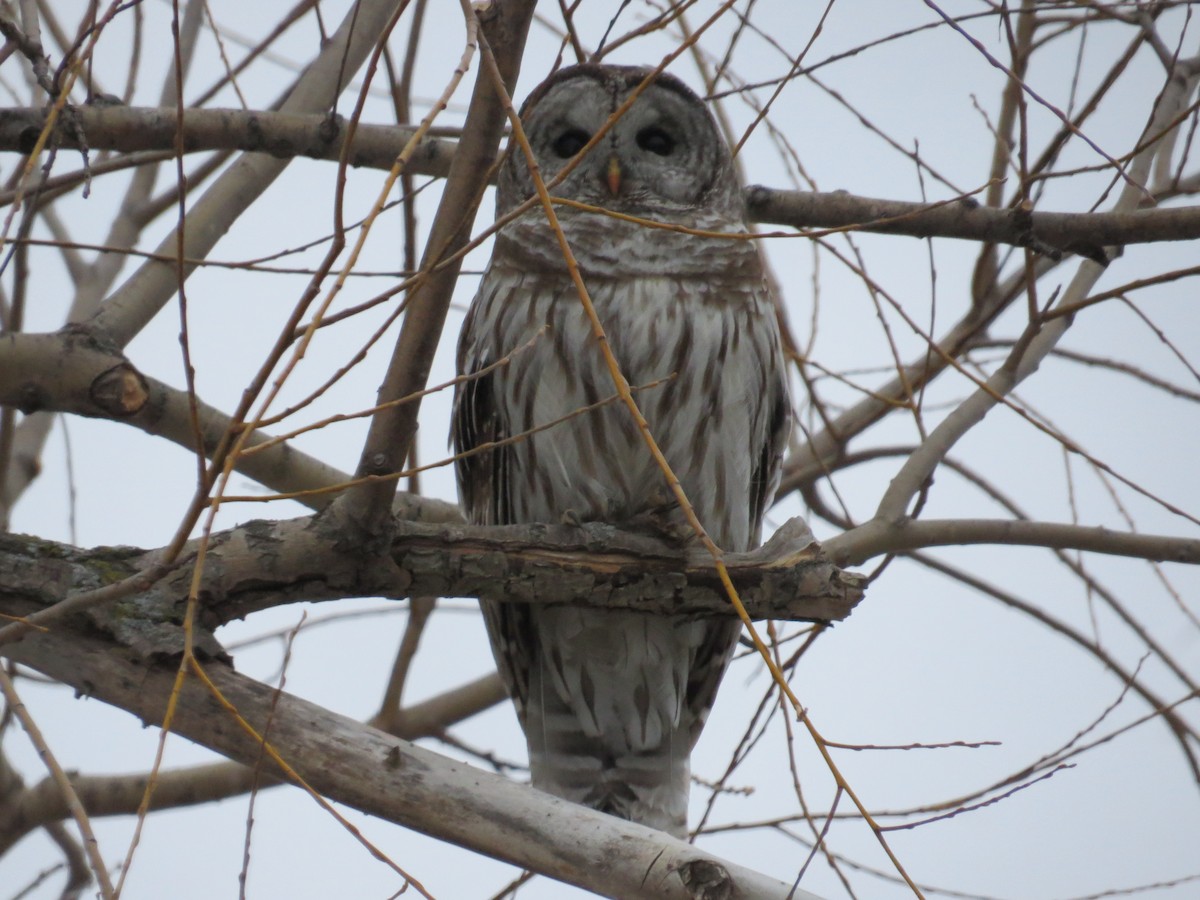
(662, 156)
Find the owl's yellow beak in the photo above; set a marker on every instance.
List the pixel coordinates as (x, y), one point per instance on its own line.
(612, 176)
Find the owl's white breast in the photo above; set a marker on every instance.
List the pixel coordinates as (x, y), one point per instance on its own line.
(695, 353)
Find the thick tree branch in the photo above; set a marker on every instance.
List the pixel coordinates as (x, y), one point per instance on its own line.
(93, 279)
(260, 565)
(111, 795)
(389, 778)
(25, 809)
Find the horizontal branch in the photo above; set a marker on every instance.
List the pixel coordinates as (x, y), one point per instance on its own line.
(1084, 234)
(129, 129)
(386, 777)
(261, 565)
(133, 129)
(114, 795)
(597, 565)
(877, 538)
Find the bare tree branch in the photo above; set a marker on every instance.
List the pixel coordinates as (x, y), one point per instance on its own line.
(261, 565)
(25, 809)
(504, 27)
(285, 136)
(1037, 342)
(876, 539)
(1084, 234)
(69, 372)
(389, 778)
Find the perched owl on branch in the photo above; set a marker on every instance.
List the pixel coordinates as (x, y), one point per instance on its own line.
(612, 702)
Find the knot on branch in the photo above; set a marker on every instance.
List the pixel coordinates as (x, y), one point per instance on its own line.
(120, 391)
(706, 880)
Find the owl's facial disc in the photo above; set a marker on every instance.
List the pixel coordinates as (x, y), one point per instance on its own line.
(662, 158)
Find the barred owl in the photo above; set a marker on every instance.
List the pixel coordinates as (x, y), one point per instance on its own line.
(612, 702)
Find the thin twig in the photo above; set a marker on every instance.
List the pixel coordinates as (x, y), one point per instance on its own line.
(78, 813)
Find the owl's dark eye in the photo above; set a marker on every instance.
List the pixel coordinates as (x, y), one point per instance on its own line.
(570, 142)
(656, 141)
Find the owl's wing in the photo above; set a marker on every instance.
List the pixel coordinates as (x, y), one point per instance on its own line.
(483, 486)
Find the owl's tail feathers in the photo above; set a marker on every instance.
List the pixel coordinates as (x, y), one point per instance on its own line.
(650, 788)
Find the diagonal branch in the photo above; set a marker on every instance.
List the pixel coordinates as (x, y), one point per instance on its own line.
(261, 565)
(1039, 340)
(68, 372)
(503, 26)
(26, 809)
(386, 777)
